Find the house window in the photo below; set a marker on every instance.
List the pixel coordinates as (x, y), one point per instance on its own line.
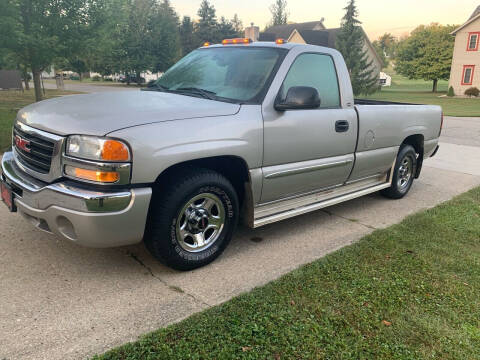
(473, 40)
(468, 72)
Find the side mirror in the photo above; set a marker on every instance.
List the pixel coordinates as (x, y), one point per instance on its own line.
(299, 97)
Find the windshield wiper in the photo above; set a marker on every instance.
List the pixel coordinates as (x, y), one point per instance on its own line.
(155, 87)
(207, 94)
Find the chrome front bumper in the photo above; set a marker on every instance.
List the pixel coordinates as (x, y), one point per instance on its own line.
(89, 218)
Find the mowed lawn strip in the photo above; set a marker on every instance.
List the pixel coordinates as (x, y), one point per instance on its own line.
(411, 291)
(10, 102)
(420, 92)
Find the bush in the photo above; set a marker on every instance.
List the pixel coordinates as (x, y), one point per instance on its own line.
(108, 79)
(451, 92)
(473, 91)
(74, 77)
(96, 78)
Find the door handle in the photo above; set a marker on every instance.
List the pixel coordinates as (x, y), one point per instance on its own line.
(341, 126)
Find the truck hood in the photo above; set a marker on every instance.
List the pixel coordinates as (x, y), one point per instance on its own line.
(101, 113)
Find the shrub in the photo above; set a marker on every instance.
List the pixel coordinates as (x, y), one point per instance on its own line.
(74, 77)
(473, 91)
(108, 79)
(96, 78)
(451, 92)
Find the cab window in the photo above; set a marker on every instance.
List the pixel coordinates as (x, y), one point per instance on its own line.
(317, 71)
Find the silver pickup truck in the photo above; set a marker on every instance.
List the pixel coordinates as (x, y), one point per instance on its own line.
(257, 132)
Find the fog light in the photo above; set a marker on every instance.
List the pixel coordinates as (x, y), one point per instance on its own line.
(92, 175)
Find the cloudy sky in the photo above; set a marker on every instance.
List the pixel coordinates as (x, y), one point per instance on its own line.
(378, 16)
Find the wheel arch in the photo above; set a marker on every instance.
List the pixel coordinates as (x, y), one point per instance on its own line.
(417, 142)
(233, 167)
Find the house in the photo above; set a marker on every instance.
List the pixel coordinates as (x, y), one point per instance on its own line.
(284, 31)
(315, 33)
(466, 55)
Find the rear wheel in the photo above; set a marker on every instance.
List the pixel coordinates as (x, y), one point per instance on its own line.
(192, 219)
(403, 174)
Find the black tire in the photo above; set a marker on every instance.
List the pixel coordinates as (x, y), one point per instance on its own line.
(162, 237)
(401, 188)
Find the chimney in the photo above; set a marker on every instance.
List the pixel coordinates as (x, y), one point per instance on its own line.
(252, 32)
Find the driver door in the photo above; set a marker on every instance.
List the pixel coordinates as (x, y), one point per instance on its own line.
(307, 150)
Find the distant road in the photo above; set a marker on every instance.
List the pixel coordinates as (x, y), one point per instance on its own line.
(88, 88)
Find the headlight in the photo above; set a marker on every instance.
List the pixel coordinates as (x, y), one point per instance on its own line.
(95, 148)
(97, 160)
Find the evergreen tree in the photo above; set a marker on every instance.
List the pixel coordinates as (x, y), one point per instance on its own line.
(188, 37)
(207, 27)
(351, 43)
(237, 26)
(226, 29)
(279, 12)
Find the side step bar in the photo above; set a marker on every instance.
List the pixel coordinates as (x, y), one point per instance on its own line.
(280, 210)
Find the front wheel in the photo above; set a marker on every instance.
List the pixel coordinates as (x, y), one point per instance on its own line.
(192, 219)
(403, 174)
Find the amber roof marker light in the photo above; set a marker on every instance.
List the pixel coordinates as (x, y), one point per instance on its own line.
(236, 41)
(206, 43)
(280, 41)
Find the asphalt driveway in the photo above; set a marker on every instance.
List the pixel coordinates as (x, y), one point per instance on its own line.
(60, 301)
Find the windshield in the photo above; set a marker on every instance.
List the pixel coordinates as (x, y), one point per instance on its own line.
(238, 73)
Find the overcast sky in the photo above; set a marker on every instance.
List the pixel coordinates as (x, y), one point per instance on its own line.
(378, 16)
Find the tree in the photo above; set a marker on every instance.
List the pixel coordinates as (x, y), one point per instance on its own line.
(225, 29)
(165, 46)
(41, 32)
(380, 53)
(136, 40)
(426, 54)
(279, 12)
(388, 44)
(188, 37)
(351, 43)
(106, 53)
(237, 26)
(206, 28)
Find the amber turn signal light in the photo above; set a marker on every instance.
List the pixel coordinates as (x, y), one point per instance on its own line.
(92, 175)
(113, 150)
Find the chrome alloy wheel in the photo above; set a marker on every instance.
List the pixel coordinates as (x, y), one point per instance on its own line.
(200, 222)
(405, 172)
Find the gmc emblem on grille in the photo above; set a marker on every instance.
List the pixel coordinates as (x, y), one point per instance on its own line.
(22, 143)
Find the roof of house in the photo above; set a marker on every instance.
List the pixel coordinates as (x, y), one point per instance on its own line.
(284, 31)
(317, 37)
(328, 38)
(475, 13)
(475, 16)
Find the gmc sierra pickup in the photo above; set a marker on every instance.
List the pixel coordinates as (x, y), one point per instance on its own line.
(257, 132)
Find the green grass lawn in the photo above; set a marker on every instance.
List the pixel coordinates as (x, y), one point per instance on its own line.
(10, 103)
(420, 92)
(411, 291)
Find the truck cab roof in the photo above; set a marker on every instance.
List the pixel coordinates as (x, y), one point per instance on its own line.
(287, 46)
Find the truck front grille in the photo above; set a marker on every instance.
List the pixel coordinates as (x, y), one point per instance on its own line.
(39, 155)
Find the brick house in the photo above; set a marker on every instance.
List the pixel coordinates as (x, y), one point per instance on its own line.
(465, 72)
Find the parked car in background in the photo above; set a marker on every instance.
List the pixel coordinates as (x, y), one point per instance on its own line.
(130, 79)
(252, 132)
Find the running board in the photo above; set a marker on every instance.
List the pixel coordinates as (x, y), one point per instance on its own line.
(284, 209)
